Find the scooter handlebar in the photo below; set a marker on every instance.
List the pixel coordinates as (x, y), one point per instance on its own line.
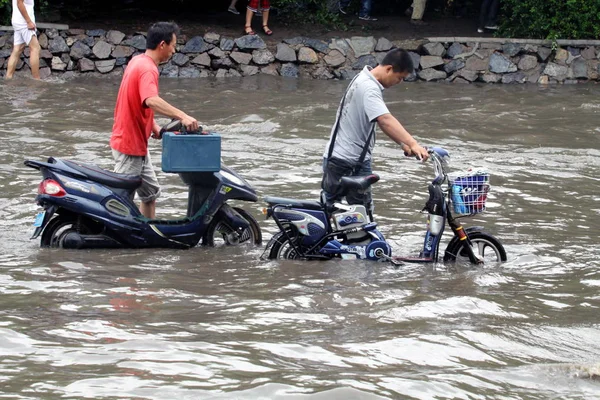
(176, 126)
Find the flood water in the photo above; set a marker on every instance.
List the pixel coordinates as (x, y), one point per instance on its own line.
(224, 323)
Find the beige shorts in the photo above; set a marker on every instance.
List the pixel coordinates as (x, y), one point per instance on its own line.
(138, 165)
(23, 36)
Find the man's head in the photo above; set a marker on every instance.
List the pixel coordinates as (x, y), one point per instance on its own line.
(396, 65)
(161, 38)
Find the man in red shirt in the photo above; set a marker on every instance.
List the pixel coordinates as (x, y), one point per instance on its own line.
(137, 101)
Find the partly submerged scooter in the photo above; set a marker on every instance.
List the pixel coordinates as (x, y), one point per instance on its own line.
(88, 207)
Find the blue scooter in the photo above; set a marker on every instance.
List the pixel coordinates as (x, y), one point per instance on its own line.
(88, 207)
(314, 230)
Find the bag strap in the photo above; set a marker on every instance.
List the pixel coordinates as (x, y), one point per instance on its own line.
(363, 155)
(338, 119)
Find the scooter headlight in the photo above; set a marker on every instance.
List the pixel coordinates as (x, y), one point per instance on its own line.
(233, 178)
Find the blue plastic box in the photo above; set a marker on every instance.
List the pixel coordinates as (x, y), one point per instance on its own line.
(191, 153)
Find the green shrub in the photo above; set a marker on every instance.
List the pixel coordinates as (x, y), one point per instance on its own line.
(5, 12)
(323, 12)
(551, 19)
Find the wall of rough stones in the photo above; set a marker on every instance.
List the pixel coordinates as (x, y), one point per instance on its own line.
(73, 52)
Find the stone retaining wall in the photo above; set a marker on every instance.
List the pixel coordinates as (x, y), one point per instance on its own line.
(71, 52)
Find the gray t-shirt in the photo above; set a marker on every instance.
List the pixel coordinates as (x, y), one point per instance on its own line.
(363, 104)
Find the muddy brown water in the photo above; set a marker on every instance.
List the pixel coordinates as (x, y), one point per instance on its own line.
(223, 323)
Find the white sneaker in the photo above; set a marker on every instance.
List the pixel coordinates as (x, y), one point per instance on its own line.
(479, 30)
(491, 27)
(367, 18)
(233, 11)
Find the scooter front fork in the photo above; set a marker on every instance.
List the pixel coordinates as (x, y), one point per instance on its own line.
(459, 231)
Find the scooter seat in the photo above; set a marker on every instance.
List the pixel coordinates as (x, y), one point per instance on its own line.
(358, 183)
(108, 178)
(306, 204)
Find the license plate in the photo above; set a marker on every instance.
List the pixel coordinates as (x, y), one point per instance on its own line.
(39, 219)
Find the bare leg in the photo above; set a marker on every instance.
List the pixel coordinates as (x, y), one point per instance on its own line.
(14, 59)
(34, 57)
(265, 20)
(232, 5)
(148, 210)
(249, 15)
(418, 10)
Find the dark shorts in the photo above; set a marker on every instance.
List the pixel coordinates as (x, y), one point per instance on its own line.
(334, 170)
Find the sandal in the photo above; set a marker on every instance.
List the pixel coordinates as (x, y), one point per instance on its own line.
(268, 32)
(248, 31)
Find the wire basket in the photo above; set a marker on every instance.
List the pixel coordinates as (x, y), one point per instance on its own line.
(469, 193)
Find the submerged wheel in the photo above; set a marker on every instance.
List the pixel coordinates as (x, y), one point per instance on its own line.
(485, 245)
(220, 233)
(58, 227)
(282, 248)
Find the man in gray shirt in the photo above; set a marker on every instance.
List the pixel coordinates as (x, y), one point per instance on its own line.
(348, 152)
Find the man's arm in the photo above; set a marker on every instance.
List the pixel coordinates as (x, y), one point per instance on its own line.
(160, 106)
(394, 129)
(23, 11)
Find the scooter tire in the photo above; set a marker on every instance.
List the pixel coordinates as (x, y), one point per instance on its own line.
(484, 242)
(57, 229)
(218, 225)
(281, 247)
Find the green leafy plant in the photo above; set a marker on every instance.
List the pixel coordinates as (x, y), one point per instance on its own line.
(309, 11)
(5, 11)
(551, 19)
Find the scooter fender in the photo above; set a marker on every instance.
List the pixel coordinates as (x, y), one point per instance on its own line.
(49, 213)
(232, 217)
(468, 230)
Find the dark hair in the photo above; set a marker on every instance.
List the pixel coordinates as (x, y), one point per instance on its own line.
(160, 31)
(400, 61)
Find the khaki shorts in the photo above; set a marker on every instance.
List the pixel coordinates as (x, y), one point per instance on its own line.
(138, 165)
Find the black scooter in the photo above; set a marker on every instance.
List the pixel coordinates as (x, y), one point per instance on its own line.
(85, 206)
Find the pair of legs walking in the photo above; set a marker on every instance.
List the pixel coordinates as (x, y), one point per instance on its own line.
(22, 39)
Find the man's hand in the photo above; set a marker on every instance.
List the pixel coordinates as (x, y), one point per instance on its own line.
(416, 150)
(31, 26)
(190, 123)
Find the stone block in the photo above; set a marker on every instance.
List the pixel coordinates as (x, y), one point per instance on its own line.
(431, 61)
(202, 59)
(241, 58)
(285, 53)
(115, 37)
(102, 50)
(383, 45)
(307, 55)
(105, 66)
(263, 57)
(122, 51)
(527, 62)
(435, 49)
(431, 74)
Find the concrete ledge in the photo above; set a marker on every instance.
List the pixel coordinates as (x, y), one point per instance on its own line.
(40, 25)
(461, 60)
(537, 42)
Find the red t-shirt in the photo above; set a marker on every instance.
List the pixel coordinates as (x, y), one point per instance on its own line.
(133, 120)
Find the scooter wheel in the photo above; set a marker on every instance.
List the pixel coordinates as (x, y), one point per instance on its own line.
(219, 233)
(485, 245)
